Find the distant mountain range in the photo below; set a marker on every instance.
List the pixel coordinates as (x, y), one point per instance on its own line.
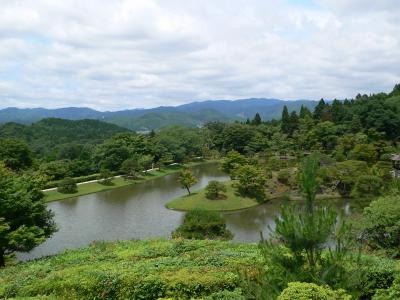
(191, 114)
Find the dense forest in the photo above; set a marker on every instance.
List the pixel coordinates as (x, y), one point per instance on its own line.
(341, 148)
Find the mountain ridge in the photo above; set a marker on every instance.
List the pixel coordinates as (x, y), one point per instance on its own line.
(192, 114)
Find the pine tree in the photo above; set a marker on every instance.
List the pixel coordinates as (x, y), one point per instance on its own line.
(285, 121)
(257, 120)
(319, 110)
(294, 122)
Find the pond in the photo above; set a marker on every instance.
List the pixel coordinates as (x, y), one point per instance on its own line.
(138, 212)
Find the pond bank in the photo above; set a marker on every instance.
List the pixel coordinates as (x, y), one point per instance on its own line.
(117, 182)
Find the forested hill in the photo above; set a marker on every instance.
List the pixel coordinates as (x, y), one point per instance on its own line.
(193, 114)
(49, 134)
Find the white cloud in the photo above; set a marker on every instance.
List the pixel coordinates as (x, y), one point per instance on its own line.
(119, 54)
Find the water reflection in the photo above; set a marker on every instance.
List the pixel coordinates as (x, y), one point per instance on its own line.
(138, 212)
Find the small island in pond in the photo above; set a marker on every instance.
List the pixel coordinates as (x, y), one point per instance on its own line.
(230, 200)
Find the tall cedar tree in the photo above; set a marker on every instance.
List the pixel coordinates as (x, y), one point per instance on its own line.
(285, 121)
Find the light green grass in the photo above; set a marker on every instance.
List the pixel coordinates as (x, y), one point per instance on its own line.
(198, 200)
(95, 187)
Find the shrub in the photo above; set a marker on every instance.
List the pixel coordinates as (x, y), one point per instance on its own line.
(284, 176)
(215, 190)
(105, 177)
(67, 186)
(393, 293)
(201, 224)
(380, 224)
(306, 291)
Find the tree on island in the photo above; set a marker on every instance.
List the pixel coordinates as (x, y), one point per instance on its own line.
(24, 220)
(215, 190)
(187, 179)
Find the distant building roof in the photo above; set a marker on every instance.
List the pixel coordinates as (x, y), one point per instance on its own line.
(395, 157)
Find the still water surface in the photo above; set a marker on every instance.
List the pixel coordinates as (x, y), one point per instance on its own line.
(138, 212)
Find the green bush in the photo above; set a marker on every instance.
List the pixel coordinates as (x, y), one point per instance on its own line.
(307, 291)
(215, 190)
(392, 293)
(284, 176)
(381, 224)
(67, 186)
(201, 224)
(378, 273)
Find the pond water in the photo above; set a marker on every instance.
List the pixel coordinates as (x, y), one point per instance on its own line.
(138, 212)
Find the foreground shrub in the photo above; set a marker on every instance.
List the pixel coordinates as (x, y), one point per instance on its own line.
(307, 291)
(393, 293)
(201, 224)
(381, 225)
(152, 269)
(67, 186)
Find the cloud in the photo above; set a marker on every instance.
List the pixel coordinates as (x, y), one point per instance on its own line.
(120, 54)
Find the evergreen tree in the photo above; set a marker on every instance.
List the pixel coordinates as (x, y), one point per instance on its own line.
(304, 111)
(257, 120)
(319, 110)
(337, 111)
(285, 121)
(294, 122)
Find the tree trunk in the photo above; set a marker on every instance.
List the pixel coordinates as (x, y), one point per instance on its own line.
(188, 190)
(2, 260)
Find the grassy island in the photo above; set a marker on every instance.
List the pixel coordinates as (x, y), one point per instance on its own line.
(198, 200)
(117, 182)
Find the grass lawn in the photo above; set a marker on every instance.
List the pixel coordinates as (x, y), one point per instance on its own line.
(95, 187)
(198, 200)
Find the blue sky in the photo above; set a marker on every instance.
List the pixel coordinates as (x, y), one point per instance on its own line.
(120, 54)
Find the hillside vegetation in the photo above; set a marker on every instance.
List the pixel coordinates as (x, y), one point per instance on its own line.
(133, 269)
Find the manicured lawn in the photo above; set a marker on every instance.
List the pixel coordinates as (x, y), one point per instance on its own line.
(198, 200)
(94, 187)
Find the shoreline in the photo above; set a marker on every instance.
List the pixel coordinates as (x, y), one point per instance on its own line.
(93, 186)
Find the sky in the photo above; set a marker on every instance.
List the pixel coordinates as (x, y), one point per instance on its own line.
(123, 54)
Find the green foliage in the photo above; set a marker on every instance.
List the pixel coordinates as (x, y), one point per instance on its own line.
(367, 186)
(381, 224)
(283, 176)
(187, 179)
(392, 293)
(132, 167)
(232, 162)
(347, 173)
(251, 181)
(67, 186)
(201, 224)
(307, 291)
(15, 154)
(151, 269)
(24, 220)
(215, 190)
(105, 177)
